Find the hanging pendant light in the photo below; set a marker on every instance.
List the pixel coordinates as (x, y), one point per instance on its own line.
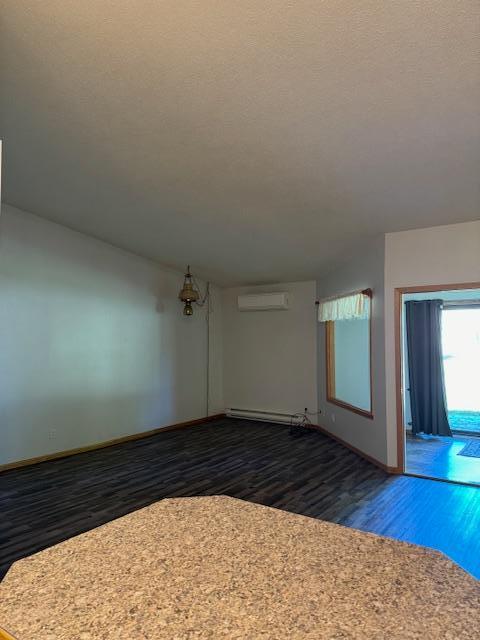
(188, 293)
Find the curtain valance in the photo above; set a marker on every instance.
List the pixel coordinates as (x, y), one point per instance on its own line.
(355, 305)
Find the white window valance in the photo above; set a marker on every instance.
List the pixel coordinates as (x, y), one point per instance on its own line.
(355, 305)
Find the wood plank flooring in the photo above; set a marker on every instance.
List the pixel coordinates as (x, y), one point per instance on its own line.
(312, 475)
(437, 457)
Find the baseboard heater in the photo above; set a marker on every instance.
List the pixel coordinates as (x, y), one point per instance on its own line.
(264, 416)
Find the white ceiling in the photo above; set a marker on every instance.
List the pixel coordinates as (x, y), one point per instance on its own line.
(258, 141)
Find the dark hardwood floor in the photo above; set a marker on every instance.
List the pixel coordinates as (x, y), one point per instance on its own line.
(312, 475)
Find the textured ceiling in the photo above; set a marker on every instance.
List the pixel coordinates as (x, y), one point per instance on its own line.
(258, 141)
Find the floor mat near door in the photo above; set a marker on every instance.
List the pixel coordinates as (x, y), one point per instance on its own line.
(471, 449)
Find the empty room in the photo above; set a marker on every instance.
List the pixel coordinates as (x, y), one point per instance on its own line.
(239, 319)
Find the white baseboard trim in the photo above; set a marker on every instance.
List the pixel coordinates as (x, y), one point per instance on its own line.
(257, 415)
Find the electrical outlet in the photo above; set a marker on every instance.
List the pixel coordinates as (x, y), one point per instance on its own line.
(52, 434)
(332, 415)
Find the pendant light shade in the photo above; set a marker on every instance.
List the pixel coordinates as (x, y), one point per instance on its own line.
(188, 293)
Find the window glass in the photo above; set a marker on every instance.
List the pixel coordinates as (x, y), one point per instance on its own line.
(348, 364)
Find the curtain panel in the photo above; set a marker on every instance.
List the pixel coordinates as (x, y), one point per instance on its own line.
(425, 367)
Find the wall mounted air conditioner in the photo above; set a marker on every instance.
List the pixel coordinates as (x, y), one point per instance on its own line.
(263, 301)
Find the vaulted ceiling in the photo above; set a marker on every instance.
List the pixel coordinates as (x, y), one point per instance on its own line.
(257, 141)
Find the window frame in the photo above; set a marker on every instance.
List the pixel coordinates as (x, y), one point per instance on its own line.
(330, 367)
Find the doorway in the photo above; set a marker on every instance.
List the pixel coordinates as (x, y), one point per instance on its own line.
(438, 344)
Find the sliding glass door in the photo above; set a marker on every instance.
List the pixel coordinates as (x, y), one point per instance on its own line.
(461, 359)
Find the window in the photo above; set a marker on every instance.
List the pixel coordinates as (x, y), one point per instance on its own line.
(348, 351)
(461, 357)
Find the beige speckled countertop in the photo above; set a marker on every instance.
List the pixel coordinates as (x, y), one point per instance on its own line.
(223, 568)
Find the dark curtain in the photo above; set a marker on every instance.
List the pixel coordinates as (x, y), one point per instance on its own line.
(425, 366)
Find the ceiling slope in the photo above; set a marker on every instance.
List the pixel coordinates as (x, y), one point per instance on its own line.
(257, 141)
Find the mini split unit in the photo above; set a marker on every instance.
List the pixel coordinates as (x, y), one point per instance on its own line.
(263, 302)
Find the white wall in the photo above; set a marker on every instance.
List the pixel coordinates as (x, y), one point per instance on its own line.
(93, 343)
(361, 272)
(447, 254)
(215, 373)
(270, 356)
